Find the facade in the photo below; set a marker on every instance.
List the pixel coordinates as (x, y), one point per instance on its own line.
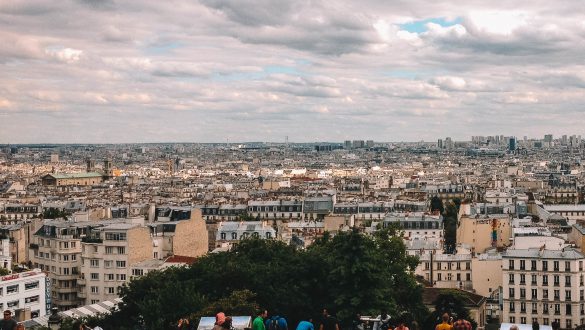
(416, 225)
(483, 232)
(56, 249)
(25, 294)
(543, 285)
(447, 270)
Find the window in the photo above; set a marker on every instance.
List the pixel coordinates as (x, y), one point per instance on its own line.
(567, 280)
(557, 309)
(522, 279)
(534, 308)
(511, 292)
(109, 277)
(12, 304)
(115, 236)
(137, 272)
(522, 264)
(556, 280)
(522, 307)
(222, 235)
(533, 294)
(533, 265)
(65, 257)
(12, 289)
(95, 289)
(439, 277)
(121, 250)
(468, 277)
(511, 267)
(94, 263)
(234, 235)
(33, 285)
(109, 250)
(523, 320)
(31, 300)
(512, 319)
(108, 263)
(545, 294)
(544, 280)
(580, 265)
(533, 279)
(557, 295)
(512, 306)
(95, 276)
(569, 323)
(567, 266)
(556, 266)
(522, 293)
(65, 245)
(120, 277)
(545, 265)
(545, 308)
(120, 264)
(110, 290)
(568, 309)
(568, 295)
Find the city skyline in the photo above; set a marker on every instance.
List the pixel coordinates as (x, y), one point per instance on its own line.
(218, 70)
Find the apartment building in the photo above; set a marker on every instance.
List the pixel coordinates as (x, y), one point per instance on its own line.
(106, 255)
(446, 270)
(25, 291)
(544, 286)
(56, 249)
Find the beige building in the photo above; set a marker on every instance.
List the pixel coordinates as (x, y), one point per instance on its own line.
(446, 270)
(74, 179)
(478, 232)
(543, 285)
(56, 249)
(577, 236)
(486, 271)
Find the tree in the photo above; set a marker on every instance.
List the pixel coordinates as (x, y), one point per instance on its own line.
(453, 303)
(437, 205)
(348, 273)
(4, 271)
(450, 219)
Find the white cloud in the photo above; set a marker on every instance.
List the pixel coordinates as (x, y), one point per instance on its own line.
(67, 55)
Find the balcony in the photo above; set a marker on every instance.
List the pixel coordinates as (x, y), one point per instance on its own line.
(95, 240)
(34, 246)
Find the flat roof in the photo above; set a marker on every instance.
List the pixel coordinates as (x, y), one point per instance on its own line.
(75, 175)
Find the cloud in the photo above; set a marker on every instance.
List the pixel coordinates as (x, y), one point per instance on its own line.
(335, 69)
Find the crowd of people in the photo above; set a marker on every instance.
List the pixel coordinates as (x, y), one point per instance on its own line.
(326, 321)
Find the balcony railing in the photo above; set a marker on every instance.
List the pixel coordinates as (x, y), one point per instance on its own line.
(92, 240)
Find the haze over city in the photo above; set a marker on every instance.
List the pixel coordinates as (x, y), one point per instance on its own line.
(218, 70)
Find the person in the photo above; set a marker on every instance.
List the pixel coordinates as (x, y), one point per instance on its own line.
(401, 324)
(514, 327)
(183, 324)
(306, 325)
(535, 325)
(219, 321)
(462, 324)
(446, 324)
(383, 321)
(556, 325)
(7, 323)
(258, 323)
(357, 323)
(328, 322)
(276, 322)
(84, 326)
(227, 324)
(20, 326)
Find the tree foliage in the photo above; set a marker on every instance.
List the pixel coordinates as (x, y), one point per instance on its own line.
(451, 302)
(349, 273)
(450, 219)
(437, 205)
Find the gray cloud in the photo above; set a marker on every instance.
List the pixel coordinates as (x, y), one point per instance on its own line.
(251, 70)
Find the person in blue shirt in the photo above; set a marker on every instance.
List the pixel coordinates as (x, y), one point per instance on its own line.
(276, 322)
(306, 325)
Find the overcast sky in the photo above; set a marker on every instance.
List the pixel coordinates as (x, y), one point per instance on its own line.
(260, 70)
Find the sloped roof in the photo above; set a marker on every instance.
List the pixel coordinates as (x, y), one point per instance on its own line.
(430, 295)
(74, 175)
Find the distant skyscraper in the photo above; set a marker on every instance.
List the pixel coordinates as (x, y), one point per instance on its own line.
(448, 143)
(440, 144)
(548, 138)
(512, 143)
(347, 144)
(370, 143)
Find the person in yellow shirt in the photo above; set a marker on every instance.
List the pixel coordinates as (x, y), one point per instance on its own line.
(447, 323)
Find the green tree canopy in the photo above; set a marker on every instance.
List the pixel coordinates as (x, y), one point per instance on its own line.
(349, 273)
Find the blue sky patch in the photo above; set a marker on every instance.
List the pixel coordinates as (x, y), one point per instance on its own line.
(420, 26)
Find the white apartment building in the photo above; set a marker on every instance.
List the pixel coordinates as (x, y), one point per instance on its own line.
(446, 270)
(543, 285)
(27, 291)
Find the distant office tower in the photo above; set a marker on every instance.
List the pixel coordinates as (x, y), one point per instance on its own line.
(358, 144)
(347, 144)
(370, 143)
(548, 138)
(512, 143)
(440, 144)
(564, 140)
(54, 158)
(448, 143)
